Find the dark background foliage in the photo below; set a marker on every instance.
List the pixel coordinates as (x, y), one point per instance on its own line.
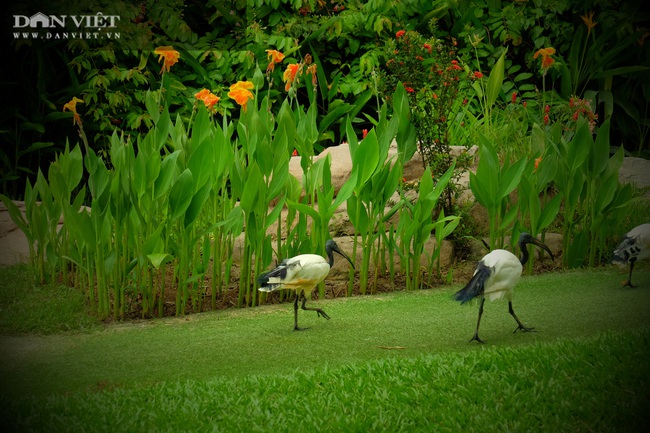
(224, 41)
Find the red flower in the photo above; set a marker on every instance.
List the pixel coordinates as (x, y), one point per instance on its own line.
(295, 153)
(409, 89)
(364, 132)
(546, 119)
(478, 74)
(514, 97)
(400, 34)
(547, 109)
(427, 47)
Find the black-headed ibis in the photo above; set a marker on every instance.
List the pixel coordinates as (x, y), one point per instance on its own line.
(496, 276)
(634, 246)
(301, 274)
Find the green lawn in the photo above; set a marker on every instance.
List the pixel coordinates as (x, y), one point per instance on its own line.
(255, 351)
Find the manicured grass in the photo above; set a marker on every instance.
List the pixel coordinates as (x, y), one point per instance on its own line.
(399, 360)
(582, 384)
(27, 307)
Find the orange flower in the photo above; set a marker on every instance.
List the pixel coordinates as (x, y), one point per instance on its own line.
(589, 21)
(240, 92)
(276, 57)
(314, 77)
(537, 161)
(169, 55)
(246, 85)
(72, 106)
(208, 98)
(546, 54)
(290, 75)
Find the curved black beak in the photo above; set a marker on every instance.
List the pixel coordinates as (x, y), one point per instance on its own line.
(336, 248)
(535, 241)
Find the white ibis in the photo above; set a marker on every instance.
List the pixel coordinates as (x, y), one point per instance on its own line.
(301, 274)
(495, 277)
(634, 246)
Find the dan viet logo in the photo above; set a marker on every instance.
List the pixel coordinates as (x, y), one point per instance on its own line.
(42, 26)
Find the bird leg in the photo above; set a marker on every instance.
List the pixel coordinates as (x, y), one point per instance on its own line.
(521, 325)
(478, 322)
(629, 279)
(295, 314)
(317, 310)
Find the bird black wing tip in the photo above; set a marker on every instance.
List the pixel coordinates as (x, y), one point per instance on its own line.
(475, 286)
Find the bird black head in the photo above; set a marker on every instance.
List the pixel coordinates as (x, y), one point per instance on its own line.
(330, 246)
(526, 238)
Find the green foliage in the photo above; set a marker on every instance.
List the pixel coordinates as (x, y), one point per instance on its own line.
(595, 203)
(437, 86)
(492, 185)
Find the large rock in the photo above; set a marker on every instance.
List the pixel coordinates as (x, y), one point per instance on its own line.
(342, 163)
(635, 171)
(13, 243)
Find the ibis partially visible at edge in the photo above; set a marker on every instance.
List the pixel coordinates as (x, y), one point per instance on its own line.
(301, 274)
(635, 246)
(495, 277)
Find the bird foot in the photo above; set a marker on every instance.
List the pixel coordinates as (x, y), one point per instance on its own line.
(522, 328)
(477, 338)
(321, 313)
(296, 328)
(628, 283)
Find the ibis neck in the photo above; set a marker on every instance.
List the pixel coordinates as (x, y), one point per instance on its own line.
(524, 253)
(330, 256)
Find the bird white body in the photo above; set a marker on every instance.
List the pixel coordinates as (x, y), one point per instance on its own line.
(496, 276)
(635, 246)
(506, 273)
(301, 274)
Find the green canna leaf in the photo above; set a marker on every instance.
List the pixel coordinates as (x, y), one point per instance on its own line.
(366, 159)
(600, 152)
(346, 191)
(275, 212)
(510, 178)
(180, 195)
(254, 186)
(605, 193)
(164, 180)
(196, 204)
(495, 80)
(201, 163)
(304, 209)
(578, 149)
(159, 259)
(550, 211)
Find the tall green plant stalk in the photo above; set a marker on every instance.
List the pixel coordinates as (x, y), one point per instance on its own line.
(588, 178)
(492, 184)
